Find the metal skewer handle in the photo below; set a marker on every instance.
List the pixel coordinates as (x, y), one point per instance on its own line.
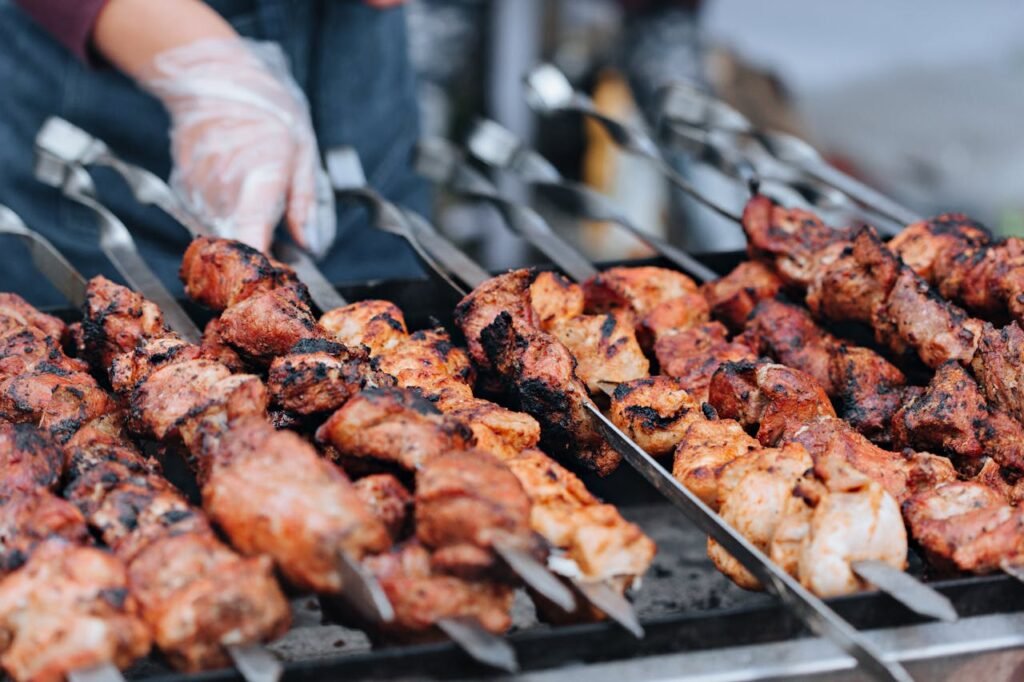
(46, 258)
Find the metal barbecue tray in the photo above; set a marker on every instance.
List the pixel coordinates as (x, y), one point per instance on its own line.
(698, 624)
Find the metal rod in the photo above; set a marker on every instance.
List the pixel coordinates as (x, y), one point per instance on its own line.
(46, 258)
(255, 663)
(535, 574)
(483, 646)
(612, 603)
(492, 144)
(363, 591)
(906, 589)
(323, 293)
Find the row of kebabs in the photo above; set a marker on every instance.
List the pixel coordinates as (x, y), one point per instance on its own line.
(546, 344)
(477, 478)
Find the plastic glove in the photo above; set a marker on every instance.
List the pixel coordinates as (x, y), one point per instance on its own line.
(242, 142)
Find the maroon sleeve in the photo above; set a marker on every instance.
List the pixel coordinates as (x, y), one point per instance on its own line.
(69, 21)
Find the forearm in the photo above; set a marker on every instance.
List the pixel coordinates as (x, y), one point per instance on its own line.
(130, 33)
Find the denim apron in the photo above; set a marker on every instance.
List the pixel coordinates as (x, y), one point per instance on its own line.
(350, 59)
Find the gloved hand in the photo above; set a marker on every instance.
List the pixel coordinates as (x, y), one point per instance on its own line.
(242, 142)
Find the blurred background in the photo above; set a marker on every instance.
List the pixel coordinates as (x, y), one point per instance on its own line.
(922, 100)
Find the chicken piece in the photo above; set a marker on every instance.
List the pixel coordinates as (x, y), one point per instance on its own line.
(953, 418)
(68, 609)
(655, 412)
(966, 526)
(733, 297)
(605, 348)
(857, 283)
(861, 523)
(754, 490)
(507, 294)
(179, 393)
(32, 517)
(768, 397)
(638, 288)
(56, 400)
(693, 356)
(920, 244)
(997, 366)
(555, 299)
(25, 349)
(422, 597)
(388, 500)
(515, 430)
(603, 544)
(467, 502)
(129, 370)
(795, 242)
(915, 317)
(706, 448)
(269, 324)
(837, 449)
(214, 347)
(28, 459)
(220, 273)
(393, 425)
(115, 319)
(428, 361)
(686, 312)
(788, 335)
(320, 376)
(539, 375)
(868, 391)
(378, 325)
(22, 314)
(258, 473)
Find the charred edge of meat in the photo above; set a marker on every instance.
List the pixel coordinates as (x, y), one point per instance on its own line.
(410, 399)
(650, 418)
(315, 345)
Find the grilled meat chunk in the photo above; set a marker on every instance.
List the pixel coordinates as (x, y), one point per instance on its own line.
(31, 517)
(494, 428)
(68, 609)
(429, 361)
(378, 325)
(639, 288)
(655, 412)
(733, 297)
(393, 425)
(213, 346)
(17, 313)
(421, 596)
(693, 356)
(269, 324)
(25, 349)
(466, 502)
(388, 500)
(754, 490)
(997, 366)
(57, 400)
(605, 348)
(320, 376)
(706, 448)
(220, 273)
(258, 473)
(555, 299)
(115, 320)
(129, 370)
(856, 283)
(921, 244)
(966, 526)
(767, 397)
(952, 417)
(28, 459)
(507, 294)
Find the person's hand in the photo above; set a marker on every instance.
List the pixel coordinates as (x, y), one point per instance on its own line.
(243, 146)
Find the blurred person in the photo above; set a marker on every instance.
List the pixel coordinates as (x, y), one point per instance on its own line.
(230, 99)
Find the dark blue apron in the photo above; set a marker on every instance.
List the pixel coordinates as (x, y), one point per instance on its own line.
(351, 60)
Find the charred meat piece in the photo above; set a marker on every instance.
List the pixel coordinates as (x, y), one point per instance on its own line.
(733, 297)
(32, 517)
(640, 289)
(129, 370)
(507, 294)
(997, 364)
(707, 447)
(836, 449)
(24, 349)
(115, 320)
(320, 376)
(466, 502)
(539, 375)
(19, 313)
(388, 500)
(788, 335)
(605, 348)
(220, 273)
(393, 425)
(655, 412)
(421, 596)
(921, 244)
(69, 608)
(269, 324)
(214, 347)
(494, 428)
(554, 298)
(686, 312)
(966, 526)
(857, 283)
(952, 417)
(769, 398)
(258, 473)
(378, 325)
(58, 400)
(693, 356)
(428, 360)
